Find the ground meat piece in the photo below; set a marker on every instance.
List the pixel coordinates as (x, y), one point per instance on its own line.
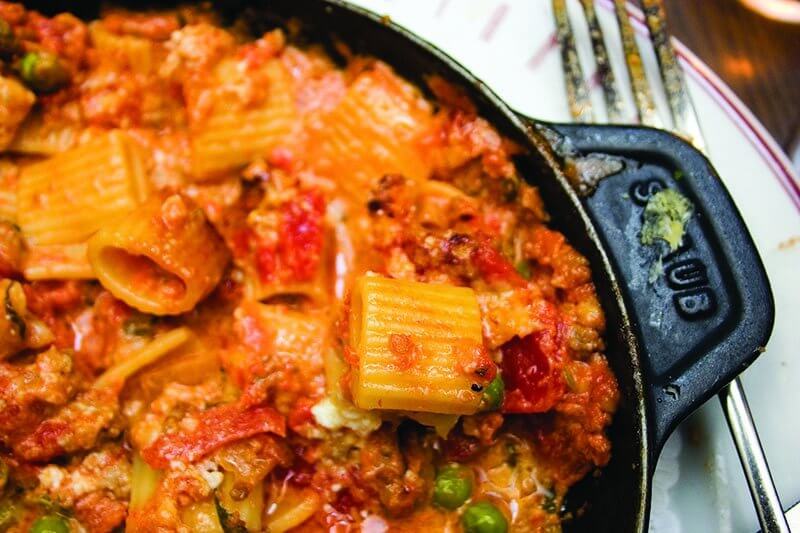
(394, 466)
(464, 258)
(506, 314)
(11, 248)
(107, 471)
(483, 426)
(73, 428)
(100, 512)
(550, 248)
(393, 197)
(30, 393)
(252, 459)
(459, 447)
(575, 441)
(462, 137)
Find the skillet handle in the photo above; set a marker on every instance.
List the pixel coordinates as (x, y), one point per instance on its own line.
(702, 313)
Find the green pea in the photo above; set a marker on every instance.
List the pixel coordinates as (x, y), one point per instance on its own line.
(493, 394)
(483, 517)
(50, 524)
(453, 486)
(43, 72)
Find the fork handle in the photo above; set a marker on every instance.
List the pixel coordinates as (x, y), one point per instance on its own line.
(762, 488)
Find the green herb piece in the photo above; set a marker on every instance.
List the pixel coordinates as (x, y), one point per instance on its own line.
(139, 325)
(524, 268)
(665, 218)
(11, 313)
(512, 454)
(230, 524)
(549, 504)
(510, 188)
(656, 269)
(570, 379)
(8, 515)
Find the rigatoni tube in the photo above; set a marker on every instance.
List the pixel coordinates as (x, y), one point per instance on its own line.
(232, 135)
(161, 259)
(66, 198)
(418, 347)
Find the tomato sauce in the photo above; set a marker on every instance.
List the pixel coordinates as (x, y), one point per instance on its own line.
(248, 422)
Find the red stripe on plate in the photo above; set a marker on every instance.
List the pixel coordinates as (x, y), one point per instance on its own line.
(494, 21)
(550, 44)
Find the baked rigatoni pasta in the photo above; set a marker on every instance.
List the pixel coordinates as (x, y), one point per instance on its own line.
(57, 261)
(234, 134)
(375, 130)
(162, 258)
(65, 199)
(9, 172)
(418, 347)
(161, 346)
(38, 136)
(256, 288)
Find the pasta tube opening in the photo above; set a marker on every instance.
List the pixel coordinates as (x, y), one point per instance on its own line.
(161, 259)
(150, 279)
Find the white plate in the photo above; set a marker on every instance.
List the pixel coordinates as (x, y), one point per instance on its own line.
(699, 485)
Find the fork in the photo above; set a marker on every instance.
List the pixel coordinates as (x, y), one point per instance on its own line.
(684, 123)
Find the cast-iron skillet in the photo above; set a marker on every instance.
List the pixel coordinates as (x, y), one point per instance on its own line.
(673, 343)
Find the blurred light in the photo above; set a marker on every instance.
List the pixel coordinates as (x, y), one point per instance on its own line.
(739, 66)
(782, 10)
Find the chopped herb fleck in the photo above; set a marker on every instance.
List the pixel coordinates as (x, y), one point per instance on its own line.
(549, 504)
(510, 188)
(524, 268)
(656, 269)
(665, 218)
(139, 325)
(512, 455)
(570, 379)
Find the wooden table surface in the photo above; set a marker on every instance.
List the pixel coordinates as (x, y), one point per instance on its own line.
(758, 58)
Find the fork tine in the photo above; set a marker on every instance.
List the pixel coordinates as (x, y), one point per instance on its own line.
(645, 106)
(614, 105)
(580, 104)
(683, 112)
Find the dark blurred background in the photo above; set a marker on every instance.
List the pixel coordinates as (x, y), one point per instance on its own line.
(757, 57)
